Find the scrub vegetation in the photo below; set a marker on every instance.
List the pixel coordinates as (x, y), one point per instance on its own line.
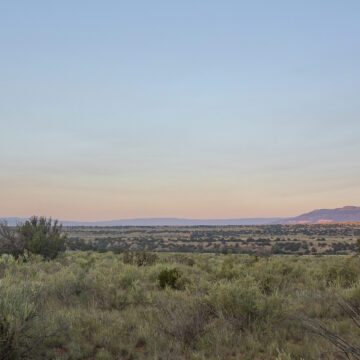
(143, 305)
(329, 239)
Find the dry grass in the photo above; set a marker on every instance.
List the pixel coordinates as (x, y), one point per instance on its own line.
(87, 305)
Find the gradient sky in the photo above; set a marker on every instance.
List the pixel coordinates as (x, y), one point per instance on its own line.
(197, 109)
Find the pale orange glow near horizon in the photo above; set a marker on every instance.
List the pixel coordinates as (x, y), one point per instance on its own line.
(92, 202)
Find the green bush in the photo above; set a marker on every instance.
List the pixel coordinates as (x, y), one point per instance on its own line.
(343, 271)
(169, 277)
(117, 250)
(43, 236)
(243, 304)
(237, 301)
(37, 236)
(21, 326)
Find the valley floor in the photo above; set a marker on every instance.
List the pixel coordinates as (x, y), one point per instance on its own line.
(329, 239)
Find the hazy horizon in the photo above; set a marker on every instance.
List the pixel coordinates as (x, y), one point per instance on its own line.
(188, 110)
(175, 218)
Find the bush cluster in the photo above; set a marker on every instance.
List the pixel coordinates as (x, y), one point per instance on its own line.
(38, 235)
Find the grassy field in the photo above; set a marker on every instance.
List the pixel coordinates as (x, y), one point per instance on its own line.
(89, 305)
(279, 239)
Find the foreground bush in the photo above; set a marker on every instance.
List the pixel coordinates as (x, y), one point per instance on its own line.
(20, 318)
(184, 319)
(37, 236)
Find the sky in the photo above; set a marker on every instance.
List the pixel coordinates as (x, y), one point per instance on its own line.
(195, 109)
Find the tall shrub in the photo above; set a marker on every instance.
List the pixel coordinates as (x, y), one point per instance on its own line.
(43, 236)
(10, 241)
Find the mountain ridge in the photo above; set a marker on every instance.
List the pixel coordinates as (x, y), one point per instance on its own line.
(326, 216)
(317, 216)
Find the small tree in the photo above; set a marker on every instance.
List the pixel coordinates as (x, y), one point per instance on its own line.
(43, 236)
(10, 241)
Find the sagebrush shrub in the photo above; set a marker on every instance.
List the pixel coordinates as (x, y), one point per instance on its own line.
(141, 258)
(128, 257)
(7, 340)
(182, 259)
(184, 319)
(169, 277)
(344, 271)
(144, 258)
(239, 301)
(19, 317)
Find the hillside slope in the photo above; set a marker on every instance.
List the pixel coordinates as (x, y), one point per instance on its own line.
(323, 216)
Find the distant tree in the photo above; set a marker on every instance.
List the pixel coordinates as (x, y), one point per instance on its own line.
(276, 249)
(43, 236)
(226, 251)
(10, 241)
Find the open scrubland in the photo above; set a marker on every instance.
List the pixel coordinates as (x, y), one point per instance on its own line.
(136, 305)
(271, 239)
(259, 292)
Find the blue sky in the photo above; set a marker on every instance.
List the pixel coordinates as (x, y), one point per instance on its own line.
(112, 109)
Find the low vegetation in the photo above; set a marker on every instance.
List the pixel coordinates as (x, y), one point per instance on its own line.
(125, 304)
(89, 305)
(328, 239)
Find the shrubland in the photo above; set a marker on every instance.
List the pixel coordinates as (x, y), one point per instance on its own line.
(129, 305)
(327, 239)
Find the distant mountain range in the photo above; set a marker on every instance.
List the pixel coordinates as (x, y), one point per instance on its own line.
(324, 216)
(320, 216)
